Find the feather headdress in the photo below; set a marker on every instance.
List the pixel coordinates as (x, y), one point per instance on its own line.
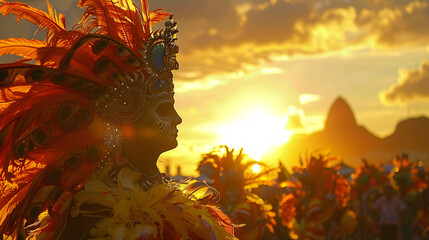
(406, 178)
(233, 169)
(54, 109)
(233, 173)
(316, 168)
(315, 190)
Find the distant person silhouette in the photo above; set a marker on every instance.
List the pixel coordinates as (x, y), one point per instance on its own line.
(388, 209)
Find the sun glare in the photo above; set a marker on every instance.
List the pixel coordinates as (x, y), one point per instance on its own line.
(256, 168)
(258, 131)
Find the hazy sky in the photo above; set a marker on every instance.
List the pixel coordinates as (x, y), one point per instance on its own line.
(248, 68)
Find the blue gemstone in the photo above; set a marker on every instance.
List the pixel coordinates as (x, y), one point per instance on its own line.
(157, 56)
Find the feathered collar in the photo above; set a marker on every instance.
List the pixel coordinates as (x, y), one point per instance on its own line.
(169, 210)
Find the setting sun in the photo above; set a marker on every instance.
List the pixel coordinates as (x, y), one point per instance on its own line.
(257, 131)
(256, 168)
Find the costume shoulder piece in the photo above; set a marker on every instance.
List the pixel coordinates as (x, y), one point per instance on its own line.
(167, 210)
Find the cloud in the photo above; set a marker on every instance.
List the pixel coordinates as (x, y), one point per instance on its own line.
(297, 27)
(198, 21)
(274, 23)
(307, 98)
(413, 85)
(294, 122)
(206, 84)
(271, 70)
(224, 36)
(295, 119)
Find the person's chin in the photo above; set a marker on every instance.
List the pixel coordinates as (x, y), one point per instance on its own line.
(175, 143)
(172, 144)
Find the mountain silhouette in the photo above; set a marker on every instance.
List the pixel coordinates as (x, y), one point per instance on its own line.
(340, 116)
(412, 134)
(342, 136)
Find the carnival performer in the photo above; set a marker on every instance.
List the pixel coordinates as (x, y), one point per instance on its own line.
(278, 194)
(367, 187)
(319, 193)
(233, 180)
(84, 117)
(272, 194)
(410, 187)
(421, 224)
(389, 209)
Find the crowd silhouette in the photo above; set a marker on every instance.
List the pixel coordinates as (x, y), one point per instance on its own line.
(315, 201)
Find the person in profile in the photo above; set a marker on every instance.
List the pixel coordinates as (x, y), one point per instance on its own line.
(389, 209)
(83, 119)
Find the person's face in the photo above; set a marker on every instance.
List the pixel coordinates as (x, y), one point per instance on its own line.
(232, 194)
(388, 191)
(157, 129)
(206, 170)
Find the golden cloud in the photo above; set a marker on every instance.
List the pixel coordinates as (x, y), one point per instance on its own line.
(308, 98)
(295, 117)
(226, 36)
(271, 71)
(294, 122)
(413, 85)
(302, 28)
(198, 85)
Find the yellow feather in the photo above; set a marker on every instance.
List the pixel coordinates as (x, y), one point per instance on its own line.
(100, 229)
(137, 212)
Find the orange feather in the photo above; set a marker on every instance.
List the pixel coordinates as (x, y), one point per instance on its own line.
(21, 47)
(146, 16)
(30, 100)
(44, 20)
(97, 15)
(157, 16)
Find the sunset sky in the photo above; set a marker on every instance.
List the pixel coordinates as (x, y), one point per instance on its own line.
(253, 72)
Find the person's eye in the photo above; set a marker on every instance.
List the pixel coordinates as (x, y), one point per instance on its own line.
(164, 109)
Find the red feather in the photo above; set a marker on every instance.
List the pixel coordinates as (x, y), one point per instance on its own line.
(30, 101)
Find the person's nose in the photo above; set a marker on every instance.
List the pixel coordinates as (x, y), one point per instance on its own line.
(176, 118)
